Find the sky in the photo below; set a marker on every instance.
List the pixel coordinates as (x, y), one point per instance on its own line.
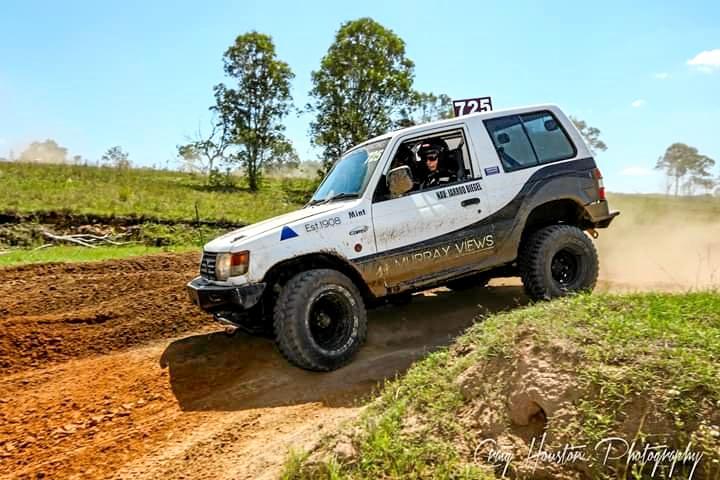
(92, 75)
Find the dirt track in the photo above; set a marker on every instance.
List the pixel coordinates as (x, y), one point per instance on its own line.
(108, 371)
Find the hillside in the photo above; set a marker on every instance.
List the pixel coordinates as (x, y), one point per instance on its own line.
(644, 368)
(169, 195)
(153, 210)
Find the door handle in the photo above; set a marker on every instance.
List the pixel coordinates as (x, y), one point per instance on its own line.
(358, 230)
(470, 201)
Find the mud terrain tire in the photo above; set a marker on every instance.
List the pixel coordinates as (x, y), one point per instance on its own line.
(558, 260)
(319, 320)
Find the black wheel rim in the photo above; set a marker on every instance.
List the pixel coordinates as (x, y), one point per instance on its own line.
(565, 267)
(330, 321)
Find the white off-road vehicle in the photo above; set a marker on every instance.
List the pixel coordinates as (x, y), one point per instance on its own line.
(513, 193)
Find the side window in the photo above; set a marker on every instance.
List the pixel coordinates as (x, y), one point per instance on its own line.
(529, 139)
(550, 141)
(511, 143)
(432, 160)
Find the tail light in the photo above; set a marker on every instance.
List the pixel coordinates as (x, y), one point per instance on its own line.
(597, 175)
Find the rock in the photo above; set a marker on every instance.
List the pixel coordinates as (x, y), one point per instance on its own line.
(344, 450)
(95, 419)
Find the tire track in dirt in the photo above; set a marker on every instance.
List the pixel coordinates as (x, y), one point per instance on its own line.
(132, 397)
(56, 312)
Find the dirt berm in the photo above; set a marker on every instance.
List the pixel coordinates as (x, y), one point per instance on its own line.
(107, 370)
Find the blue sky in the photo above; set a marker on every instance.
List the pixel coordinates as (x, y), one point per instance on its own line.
(140, 74)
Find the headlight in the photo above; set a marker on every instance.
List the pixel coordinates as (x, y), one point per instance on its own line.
(231, 264)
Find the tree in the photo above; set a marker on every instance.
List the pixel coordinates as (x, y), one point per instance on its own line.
(686, 167)
(590, 134)
(424, 108)
(364, 80)
(251, 111)
(44, 152)
(204, 154)
(115, 157)
(283, 155)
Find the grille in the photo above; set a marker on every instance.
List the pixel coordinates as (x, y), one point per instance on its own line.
(207, 265)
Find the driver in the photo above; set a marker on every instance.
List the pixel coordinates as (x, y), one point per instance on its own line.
(430, 154)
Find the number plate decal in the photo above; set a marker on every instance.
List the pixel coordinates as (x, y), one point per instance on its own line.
(472, 105)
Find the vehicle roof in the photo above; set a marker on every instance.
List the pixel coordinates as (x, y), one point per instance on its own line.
(449, 121)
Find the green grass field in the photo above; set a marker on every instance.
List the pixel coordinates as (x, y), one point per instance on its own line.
(653, 359)
(164, 195)
(27, 188)
(653, 207)
(82, 254)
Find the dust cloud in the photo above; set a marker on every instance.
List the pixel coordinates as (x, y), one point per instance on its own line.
(662, 244)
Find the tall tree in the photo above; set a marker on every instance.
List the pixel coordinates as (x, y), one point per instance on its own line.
(283, 155)
(425, 107)
(43, 152)
(364, 80)
(590, 134)
(252, 108)
(686, 167)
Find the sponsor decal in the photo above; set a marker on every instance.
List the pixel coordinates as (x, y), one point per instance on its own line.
(356, 213)
(494, 170)
(323, 224)
(459, 248)
(458, 190)
(287, 233)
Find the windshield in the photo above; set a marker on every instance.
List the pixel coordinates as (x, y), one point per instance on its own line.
(351, 174)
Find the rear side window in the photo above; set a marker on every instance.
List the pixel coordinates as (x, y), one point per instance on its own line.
(550, 141)
(529, 139)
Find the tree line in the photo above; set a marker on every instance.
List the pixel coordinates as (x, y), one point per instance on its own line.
(362, 88)
(686, 170)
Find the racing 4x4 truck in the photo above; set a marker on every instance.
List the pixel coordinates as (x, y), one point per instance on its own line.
(518, 193)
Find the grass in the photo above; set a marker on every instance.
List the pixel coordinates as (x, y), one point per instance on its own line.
(27, 187)
(651, 208)
(174, 196)
(664, 348)
(83, 254)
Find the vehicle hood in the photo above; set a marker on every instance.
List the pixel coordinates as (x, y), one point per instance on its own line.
(226, 242)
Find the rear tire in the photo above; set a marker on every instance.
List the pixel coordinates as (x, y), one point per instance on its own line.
(319, 320)
(556, 261)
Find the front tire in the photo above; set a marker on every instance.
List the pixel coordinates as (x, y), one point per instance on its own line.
(319, 320)
(556, 261)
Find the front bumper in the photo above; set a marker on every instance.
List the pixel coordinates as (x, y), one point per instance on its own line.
(216, 298)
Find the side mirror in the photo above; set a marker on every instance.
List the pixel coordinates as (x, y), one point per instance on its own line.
(400, 180)
(503, 138)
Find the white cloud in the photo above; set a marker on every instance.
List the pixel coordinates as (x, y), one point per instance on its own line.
(662, 75)
(638, 103)
(636, 171)
(707, 61)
